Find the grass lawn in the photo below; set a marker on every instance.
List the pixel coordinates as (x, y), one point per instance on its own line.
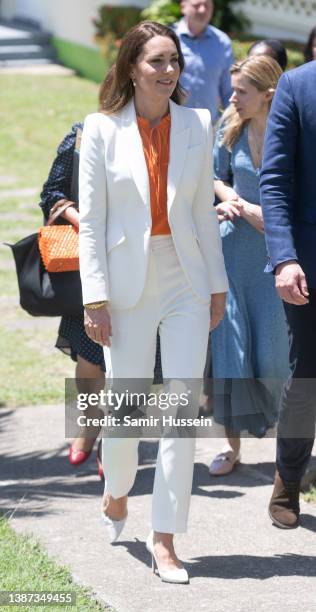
(25, 567)
(35, 113)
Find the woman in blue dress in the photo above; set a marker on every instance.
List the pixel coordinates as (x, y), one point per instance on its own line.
(250, 346)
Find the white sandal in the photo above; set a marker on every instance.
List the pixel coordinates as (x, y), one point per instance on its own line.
(224, 463)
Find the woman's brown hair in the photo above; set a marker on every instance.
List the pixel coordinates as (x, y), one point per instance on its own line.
(117, 89)
(263, 73)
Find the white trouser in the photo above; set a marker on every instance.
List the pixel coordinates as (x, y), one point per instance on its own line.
(167, 302)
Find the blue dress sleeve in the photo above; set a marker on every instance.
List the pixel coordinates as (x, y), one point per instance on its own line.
(222, 160)
(58, 184)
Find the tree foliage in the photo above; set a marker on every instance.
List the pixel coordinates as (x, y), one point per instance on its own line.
(225, 18)
(116, 20)
(162, 11)
(228, 19)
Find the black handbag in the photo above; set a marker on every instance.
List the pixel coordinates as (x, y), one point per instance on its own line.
(42, 293)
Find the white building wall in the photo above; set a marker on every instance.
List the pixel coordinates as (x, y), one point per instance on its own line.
(68, 19)
(285, 19)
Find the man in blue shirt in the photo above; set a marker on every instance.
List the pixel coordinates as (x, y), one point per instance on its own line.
(208, 57)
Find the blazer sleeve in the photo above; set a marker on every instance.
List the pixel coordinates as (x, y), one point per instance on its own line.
(278, 175)
(205, 217)
(92, 213)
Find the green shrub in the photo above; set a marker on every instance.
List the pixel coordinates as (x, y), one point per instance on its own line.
(162, 11)
(295, 53)
(228, 19)
(111, 25)
(116, 20)
(296, 58)
(168, 11)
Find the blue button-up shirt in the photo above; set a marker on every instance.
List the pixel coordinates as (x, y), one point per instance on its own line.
(206, 76)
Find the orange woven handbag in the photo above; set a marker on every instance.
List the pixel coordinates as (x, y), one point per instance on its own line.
(59, 245)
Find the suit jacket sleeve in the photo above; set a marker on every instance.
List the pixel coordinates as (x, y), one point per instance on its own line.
(92, 207)
(205, 217)
(278, 175)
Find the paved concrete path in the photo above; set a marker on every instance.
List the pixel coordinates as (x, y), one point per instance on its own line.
(237, 561)
(38, 69)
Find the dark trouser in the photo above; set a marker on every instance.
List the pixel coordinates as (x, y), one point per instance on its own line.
(296, 429)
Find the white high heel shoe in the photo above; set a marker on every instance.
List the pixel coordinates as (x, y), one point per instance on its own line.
(176, 576)
(113, 528)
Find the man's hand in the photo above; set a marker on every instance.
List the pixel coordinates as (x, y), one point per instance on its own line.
(217, 308)
(97, 322)
(291, 283)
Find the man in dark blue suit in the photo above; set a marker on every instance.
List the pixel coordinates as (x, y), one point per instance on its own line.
(288, 198)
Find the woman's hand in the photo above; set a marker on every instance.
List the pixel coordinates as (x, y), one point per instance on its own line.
(252, 213)
(217, 308)
(228, 210)
(97, 322)
(67, 210)
(72, 215)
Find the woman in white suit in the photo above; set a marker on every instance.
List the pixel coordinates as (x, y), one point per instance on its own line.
(150, 257)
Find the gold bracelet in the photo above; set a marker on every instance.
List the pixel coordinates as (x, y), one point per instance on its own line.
(96, 305)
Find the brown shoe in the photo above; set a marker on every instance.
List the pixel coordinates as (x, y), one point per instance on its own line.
(284, 508)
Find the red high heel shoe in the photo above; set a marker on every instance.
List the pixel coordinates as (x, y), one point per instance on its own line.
(99, 461)
(76, 457)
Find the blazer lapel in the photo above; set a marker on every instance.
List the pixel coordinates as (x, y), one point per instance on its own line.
(132, 150)
(179, 140)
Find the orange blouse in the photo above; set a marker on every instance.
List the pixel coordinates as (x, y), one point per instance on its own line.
(156, 144)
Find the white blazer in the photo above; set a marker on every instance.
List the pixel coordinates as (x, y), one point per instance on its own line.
(115, 213)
